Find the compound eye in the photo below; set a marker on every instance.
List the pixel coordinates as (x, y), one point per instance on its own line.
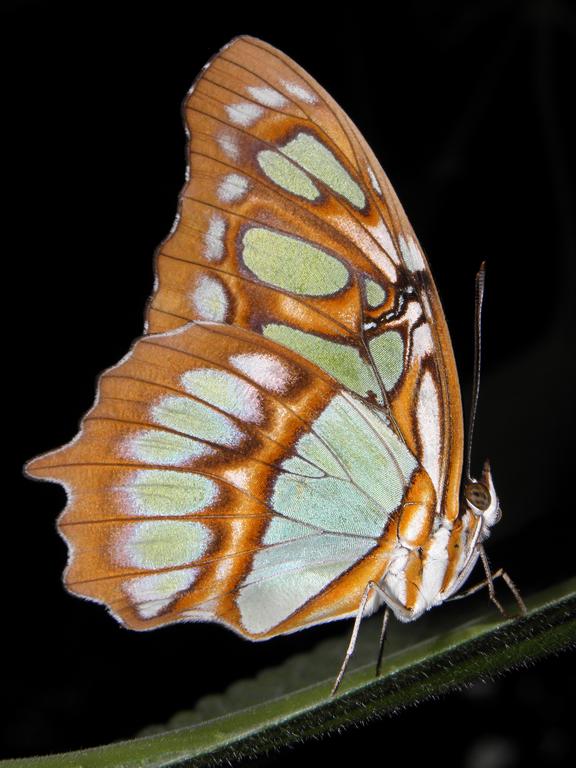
(478, 495)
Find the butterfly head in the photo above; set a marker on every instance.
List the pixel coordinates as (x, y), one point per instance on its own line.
(480, 497)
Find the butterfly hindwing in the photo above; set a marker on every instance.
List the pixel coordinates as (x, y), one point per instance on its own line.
(222, 476)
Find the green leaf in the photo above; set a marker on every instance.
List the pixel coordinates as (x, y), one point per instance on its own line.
(477, 650)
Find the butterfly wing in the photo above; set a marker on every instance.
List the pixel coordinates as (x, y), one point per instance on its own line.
(294, 407)
(289, 226)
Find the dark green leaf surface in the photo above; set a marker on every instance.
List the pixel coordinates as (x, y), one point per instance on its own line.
(474, 651)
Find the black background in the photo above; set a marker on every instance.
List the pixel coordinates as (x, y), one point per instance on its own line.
(466, 105)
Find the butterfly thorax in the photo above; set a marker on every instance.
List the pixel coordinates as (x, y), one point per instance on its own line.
(421, 577)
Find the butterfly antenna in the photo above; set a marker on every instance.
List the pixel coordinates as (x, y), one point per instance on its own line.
(480, 277)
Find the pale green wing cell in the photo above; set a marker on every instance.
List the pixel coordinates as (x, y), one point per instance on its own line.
(387, 351)
(375, 294)
(318, 160)
(292, 264)
(367, 469)
(344, 362)
(287, 174)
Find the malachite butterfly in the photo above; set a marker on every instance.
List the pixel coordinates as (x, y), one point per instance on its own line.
(284, 445)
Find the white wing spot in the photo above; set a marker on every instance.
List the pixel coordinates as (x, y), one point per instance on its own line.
(228, 145)
(422, 343)
(381, 233)
(266, 370)
(214, 238)
(267, 96)
(210, 300)
(428, 418)
(294, 89)
(413, 313)
(374, 181)
(411, 254)
(244, 113)
(232, 188)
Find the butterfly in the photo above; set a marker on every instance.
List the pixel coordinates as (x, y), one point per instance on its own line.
(284, 445)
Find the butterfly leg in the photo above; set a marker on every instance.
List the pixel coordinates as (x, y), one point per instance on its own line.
(516, 592)
(489, 582)
(372, 585)
(508, 581)
(477, 587)
(382, 640)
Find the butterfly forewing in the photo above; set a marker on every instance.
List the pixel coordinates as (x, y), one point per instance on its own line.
(293, 410)
(290, 227)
